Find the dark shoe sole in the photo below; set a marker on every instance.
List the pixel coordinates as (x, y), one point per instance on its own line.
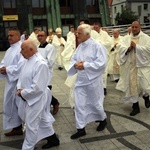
(147, 103)
(14, 133)
(101, 126)
(133, 113)
(77, 135)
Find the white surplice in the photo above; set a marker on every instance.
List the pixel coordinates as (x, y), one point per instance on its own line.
(57, 43)
(135, 67)
(89, 94)
(13, 62)
(49, 54)
(105, 40)
(113, 66)
(35, 110)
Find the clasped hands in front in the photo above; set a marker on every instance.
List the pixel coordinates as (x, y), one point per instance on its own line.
(132, 46)
(3, 70)
(79, 65)
(19, 92)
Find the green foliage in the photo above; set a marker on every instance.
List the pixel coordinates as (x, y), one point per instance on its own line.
(126, 17)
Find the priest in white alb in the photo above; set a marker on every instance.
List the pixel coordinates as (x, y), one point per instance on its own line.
(35, 99)
(10, 68)
(134, 55)
(89, 62)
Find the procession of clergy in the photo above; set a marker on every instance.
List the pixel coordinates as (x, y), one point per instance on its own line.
(89, 55)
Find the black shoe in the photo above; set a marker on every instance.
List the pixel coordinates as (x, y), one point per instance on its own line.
(116, 80)
(105, 91)
(101, 125)
(147, 101)
(134, 112)
(60, 68)
(97, 121)
(14, 132)
(136, 109)
(79, 133)
(51, 142)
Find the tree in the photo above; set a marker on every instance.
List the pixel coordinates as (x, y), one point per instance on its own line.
(126, 17)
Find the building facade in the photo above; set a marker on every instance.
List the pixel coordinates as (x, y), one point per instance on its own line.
(44, 14)
(140, 7)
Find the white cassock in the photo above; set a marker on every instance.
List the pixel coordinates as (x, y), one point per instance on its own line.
(13, 62)
(135, 67)
(59, 49)
(35, 110)
(67, 54)
(95, 35)
(105, 40)
(89, 94)
(113, 66)
(49, 38)
(48, 52)
(69, 49)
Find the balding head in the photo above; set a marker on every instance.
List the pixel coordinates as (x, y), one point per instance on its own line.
(28, 49)
(115, 33)
(136, 28)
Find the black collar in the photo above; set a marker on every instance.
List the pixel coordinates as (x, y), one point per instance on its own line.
(43, 45)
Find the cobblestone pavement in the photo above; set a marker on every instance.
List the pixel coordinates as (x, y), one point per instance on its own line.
(123, 132)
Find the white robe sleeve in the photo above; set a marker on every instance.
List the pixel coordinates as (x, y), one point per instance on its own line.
(1, 75)
(51, 57)
(38, 86)
(143, 51)
(13, 71)
(72, 70)
(97, 66)
(122, 47)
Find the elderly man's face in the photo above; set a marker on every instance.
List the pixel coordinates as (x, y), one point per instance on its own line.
(81, 36)
(25, 51)
(115, 34)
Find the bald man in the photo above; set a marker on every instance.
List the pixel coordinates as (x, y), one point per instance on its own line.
(35, 99)
(113, 66)
(10, 68)
(134, 54)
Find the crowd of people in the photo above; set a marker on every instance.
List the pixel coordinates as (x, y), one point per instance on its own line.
(89, 55)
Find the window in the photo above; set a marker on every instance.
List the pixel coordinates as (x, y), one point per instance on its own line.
(9, 3)
(145, 6)
(9, 24)
(121, 8)
(65, 3)
(38, 3)
(115, 10)
(91, 2)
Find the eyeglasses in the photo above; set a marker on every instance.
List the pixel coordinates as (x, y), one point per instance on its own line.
(40, 35)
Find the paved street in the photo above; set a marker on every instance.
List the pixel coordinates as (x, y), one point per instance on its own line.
(122, 133)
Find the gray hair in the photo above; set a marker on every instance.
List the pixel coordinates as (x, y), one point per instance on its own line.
(86, 29)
